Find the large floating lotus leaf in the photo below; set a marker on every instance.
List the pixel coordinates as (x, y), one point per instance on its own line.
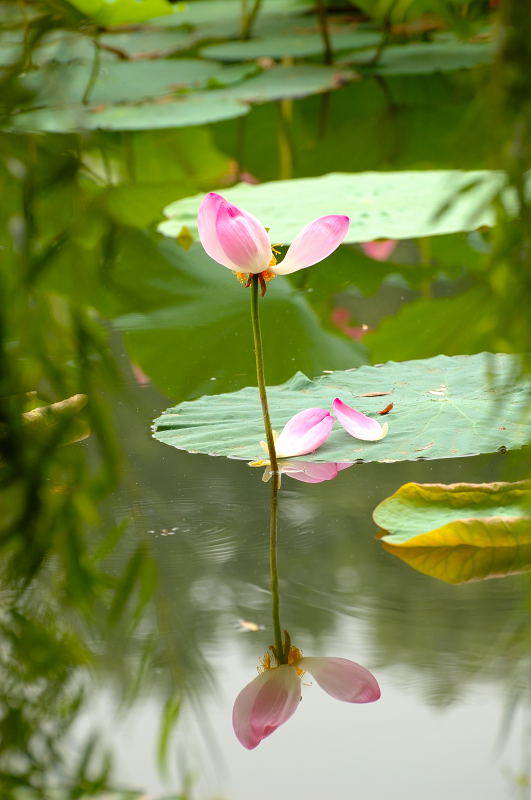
(443, 407)
(296, 81)
(122, 12)
(459, 532)
(119, 81)
(146, 42)
(194, 109)
(296, 44)
(389, 205)
(427, 57)
(120, 85)
(62, 46)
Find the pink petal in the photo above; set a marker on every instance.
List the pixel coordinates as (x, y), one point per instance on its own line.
(304, 432)
(242, 238)
(206, 224)
(315, 242)
(343, 679)
(357, 424)
(264, 704)
(379, 251)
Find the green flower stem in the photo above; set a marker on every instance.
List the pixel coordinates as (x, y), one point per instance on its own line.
(275, 481)
(275, 596)
(248, 18)
(258, 354)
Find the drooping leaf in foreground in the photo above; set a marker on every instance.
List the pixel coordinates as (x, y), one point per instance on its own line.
(381, 205)
(443, 407)
(459, 532)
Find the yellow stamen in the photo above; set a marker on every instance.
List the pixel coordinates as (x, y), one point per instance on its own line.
(293, 656)
(265, 663)
(266, 275)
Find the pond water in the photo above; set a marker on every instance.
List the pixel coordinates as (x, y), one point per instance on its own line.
(136, 577)
(452, 661)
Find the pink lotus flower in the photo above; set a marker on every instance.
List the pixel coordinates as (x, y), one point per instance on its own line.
(357, 424)
(273, 697)
(238, 240)
(303, 433)
(379, 250)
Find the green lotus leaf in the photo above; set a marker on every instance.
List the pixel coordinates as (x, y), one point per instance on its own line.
(459, 532)
(421, 58)
(443, 407)
(389, 205)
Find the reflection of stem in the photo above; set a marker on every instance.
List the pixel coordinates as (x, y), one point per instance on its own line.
(328, 53)
(275, 597)
(257, 336)
(94, 72)
(247, 19)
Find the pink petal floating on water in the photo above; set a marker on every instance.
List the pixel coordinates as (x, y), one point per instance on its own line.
(343, 679)
(264, 704)
(315, 242)
(357, 424)
(379, 251)
(304, 432)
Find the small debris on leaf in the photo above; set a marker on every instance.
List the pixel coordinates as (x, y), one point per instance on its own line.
(374, 394)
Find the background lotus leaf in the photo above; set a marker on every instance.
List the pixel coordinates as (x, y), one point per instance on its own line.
(388, 205)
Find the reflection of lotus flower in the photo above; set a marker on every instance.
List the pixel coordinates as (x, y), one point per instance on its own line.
(303, 433)
(357, 424)
(379, 251)
(272, 698)
(305, 471)
(239, 241)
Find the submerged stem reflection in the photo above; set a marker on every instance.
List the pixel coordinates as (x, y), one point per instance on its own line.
(273, 565)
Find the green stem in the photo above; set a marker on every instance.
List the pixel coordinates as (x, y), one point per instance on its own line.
(275, 482)
(275, 595)
(258, 354)
(247, 20)
(94, 71)
(328, 53)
